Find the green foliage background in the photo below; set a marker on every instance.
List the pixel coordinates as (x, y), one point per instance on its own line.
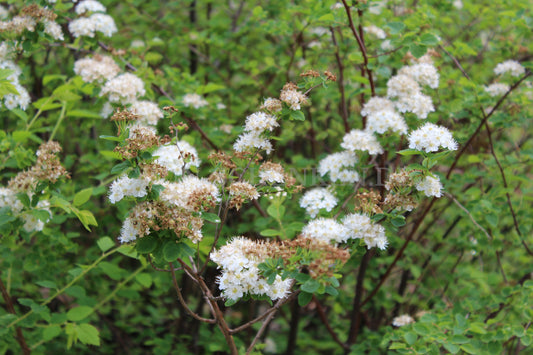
(473, 284)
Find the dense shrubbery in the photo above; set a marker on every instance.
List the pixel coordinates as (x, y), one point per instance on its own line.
(266, 177)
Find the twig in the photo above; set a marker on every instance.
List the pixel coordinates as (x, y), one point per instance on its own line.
(340, 82)
(324, 319)
(182, 301)
(450, 196)
(9, 306)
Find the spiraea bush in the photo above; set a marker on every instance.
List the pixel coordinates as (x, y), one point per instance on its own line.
(264, 177)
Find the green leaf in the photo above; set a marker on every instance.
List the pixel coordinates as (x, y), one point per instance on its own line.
(144, 279)
(331, 290)
(395, 27)
(82, 196)
(452, 348)
(111, 138)
(417, 50)
(410, 337)
(270, 233)
(230, 302)
(398, 221)
(429, 40)
(210, 217)
(105, 243)
(310, 286)
(171, 251)
(478, 328)
(79, 313)
(121, 167)
(51, 332)
(304, 298)
(88, 334)
(48, 78)
(146, 244)
(407, 152)
(21, 136)
(47, 284)
(421, 329)
(83, 114)
(297, 116)
(396, 345)
(209, 88)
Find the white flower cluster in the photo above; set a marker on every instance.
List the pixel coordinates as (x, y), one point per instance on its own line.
(405, 87)
(129, 230)
(99, 69)
(316, 199)
(89, 6)
(402, 320)
(497, 89)
(11, 101)
(125, 88)
(194, 100)
(250, 140)
(292, 97)
(88, 26)
(361, 140)
(8, 198)
(125, 186)
(335, 165)
(382, 116)
(240, 274)
(148, 112)
(360, 226)
(260, 122)
(177, 157)
(511, 66)
(182, 193)
(430, 186)
(327, 230)
(97, 22)
(271, 175)
(430, 137)
(53, 29)
(376, 31)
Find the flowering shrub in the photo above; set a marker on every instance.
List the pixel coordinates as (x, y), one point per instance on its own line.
(362, 174)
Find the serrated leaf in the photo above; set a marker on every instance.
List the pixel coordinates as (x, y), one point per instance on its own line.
(144, 279)
(395, 27)
(407, 152)
(82, 196)
(429, 40)
(79, 313)
(88, 334)
(410, 337)
(171, 251)
(230, 302)
(121, 167)
(47, 284)
(304, 298)
(297, 115)
(210, 217)
(105, 243)
(310, 286)
(417, 50)
(51, 332)
(146, 244)
(270, 233)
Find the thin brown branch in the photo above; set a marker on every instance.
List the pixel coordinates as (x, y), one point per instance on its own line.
(355, 317)
(11, 309)
(324, 319)
(340, 82)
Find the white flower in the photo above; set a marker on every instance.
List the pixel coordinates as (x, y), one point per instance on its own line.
(53, 29)
(376, 31)
(250, 141)
(422, 73)
(194, 100)
(402, 85)
(89, 5)
(497, 89)
(511, 66)
(316, 199)
(402, 320)
(361, 140)
(360, 226)
(430, 186)
(326, 229)
(148, 112)
(334, 164)
(419, 104)
(376, 104)
(177, 157)
(382, 121)
(430, 137)
(190, 191)
(259, 122)
(125, 186)
(99, 68)
(125, 88)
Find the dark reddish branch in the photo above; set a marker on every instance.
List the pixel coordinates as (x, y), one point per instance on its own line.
(340, 82)
(324, 319)
(293, 328)
(362, 47)
(9, 307)
(355, 323)
(504, 179)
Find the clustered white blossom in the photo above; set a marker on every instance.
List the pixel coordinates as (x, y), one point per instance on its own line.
(326, 229)
(361, 140)
(11, 101)
(194, 100)
(53, 29)
(8, 198)
(177, 157)
(148, 112)
(273, 173)
(125, 186)
(402, 320)
(97, 22)
(376, 31)
(99, 68)
(179, 193)
(430, 137)
(252, 140)
(360, 226)
(125, 88)
(292, 97)
(316, 199)
(430, 186)
(240, 274)
(335, 164)
(511, 66)
(260, 122)
(497, 89)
